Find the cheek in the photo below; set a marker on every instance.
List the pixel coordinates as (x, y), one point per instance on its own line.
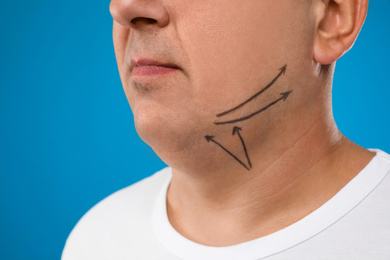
(120, 35)
(230, 53)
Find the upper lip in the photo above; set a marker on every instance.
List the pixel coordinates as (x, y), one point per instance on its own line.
(149, 62)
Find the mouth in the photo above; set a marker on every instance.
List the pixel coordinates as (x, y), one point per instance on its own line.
(147, 67)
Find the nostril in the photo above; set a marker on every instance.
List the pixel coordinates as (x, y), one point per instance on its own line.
(143, 19)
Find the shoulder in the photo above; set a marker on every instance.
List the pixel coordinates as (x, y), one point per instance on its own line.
(120, 219)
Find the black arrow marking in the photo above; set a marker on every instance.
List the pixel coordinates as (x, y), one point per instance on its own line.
(282, 71)
(211, 138)
(237, 130)
(283, 97)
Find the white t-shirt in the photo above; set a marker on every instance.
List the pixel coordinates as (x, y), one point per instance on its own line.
(133, 224)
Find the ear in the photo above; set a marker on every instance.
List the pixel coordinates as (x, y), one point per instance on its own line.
(338, 25)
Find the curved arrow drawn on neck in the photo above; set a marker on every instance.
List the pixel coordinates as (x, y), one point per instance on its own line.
(283, 97)
(211, 139)
(282, 71)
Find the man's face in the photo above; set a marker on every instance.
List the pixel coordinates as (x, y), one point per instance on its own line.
(222, 52)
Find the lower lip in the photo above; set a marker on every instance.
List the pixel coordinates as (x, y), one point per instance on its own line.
(152, 70)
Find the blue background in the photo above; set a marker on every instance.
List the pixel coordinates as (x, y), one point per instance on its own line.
(67, 138)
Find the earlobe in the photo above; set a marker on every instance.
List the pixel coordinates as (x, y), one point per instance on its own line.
(328, 50)
(337, 29)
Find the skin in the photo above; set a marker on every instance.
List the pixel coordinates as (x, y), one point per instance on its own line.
(227, 51)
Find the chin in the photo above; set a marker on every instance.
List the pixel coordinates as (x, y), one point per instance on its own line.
(165, 133)
(178, 140)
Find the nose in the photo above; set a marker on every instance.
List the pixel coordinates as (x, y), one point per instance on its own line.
(136, 13)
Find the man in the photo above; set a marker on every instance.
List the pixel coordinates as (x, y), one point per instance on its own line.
(235, 96)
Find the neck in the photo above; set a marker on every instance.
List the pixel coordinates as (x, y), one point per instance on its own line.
(289, 179)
